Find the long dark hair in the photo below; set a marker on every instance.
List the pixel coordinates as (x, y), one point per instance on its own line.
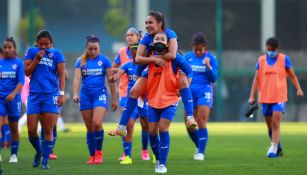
(159, 17)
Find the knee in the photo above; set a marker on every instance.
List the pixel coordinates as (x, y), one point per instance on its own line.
(152, 131)
(97, 126)
(189, 130)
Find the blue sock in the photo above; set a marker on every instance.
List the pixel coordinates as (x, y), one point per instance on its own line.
(47, 146)
(36, 144)
(127, 148)
(164, 146)
(128, 110)
(123, 141)
(155, 145)
(145, 137)
(202, 140)
(55, 135)
(90, 141)
(194, 136)
(14, 147)
(187, 100)
(270, 135)
(99, 139)
(6, 133)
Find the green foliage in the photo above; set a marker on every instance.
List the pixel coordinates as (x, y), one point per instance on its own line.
(116, 19)
(23, 30)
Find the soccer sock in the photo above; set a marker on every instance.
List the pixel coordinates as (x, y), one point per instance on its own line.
(36, 144)
(55, 135)
(202, 140)
(155, 145)
(127, 148)
(128, 110)
(270, 135)
(187, 100)
(145, 137)
(14, 147)
(6, 133)
(61, 123)
(123, 141)
(164, 146)
(47, 146)
(194, 136)
(90, 141)
(99, 139)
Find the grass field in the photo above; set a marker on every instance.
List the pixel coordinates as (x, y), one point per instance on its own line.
(233, 149)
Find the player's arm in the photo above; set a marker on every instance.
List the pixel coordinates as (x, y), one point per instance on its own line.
(18, 88)
(119, 74)
(77, 78)
(295, 82)
(110, 76)
(29, 65)
(61, 73)
(66, 74)
(172, 50)
(212, 69)
(253, 89)
(140, 57)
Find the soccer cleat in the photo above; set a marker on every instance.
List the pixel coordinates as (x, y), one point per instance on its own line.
(122, 157)
(53, 157)
(157, 163)
(199, 156)
(13, 158)
(45, 166)
(145, 155)
(161, 169)
(98, 157)
(37, 160)
(91, 160)
(126, 161)
(196, 151)
(272, 152)
(280, 153)
(118, 132)
(191, 123)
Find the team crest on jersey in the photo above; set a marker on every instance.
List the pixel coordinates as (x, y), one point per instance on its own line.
(84, 72)
(50, 55)
(205, 59)
(14, 66)
(99, 63)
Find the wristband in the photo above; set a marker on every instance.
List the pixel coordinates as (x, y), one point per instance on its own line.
(62, 93)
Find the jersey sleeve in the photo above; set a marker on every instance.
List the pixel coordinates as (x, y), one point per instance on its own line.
(145, 40)
(213, 73)
(170, 34)
(107, 63)
(288, 62)
(78, 63)
(117, 59)
(30, 54)
(59, 57)
(184, 66)
(124, 67)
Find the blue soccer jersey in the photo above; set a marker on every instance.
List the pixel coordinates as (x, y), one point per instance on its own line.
(11, 73)
(93, 73)
(130, 69)
(272, 61)
(44, 78)
(147, 39)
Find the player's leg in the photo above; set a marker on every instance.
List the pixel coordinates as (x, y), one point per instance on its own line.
(87, 116)
(145, 137)
(32, 123)
(6, 133)
(153, 129)
(193, 133)
(128, 141)
(52, 155)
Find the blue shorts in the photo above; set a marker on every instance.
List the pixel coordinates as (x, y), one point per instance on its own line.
(168, 113)
(93, 100)
(205, 99)
(122, 101)
(11, 108)
(140, 111)
(269, 108)
(42, 103)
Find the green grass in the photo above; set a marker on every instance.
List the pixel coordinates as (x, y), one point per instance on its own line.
(233, 148)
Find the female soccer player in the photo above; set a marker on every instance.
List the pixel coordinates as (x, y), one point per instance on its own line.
(93, 67)
(155, 23)
(45, 65)
(11, 82)
(204, 66)
(272, 70)
(162, 86)
(129, 69)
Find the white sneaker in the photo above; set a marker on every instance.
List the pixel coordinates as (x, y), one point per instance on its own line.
(162, 169)
(196, 151)
(157, 163)
(272, 152)
(13, 159)
(199, 156)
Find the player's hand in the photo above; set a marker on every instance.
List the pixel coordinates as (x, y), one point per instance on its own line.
(206, 62)
(161, 62)
(114, 105)
(251, 100)
(61, 100)
(41, 54)
(300, 93)
(76, 99)
(10, 97)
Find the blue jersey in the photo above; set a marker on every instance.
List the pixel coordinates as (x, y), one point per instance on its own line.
(202, 76)
(130, 69)
(93, 73)
(272, 61)
(147, 39)
(44, 78)
(11, 73)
